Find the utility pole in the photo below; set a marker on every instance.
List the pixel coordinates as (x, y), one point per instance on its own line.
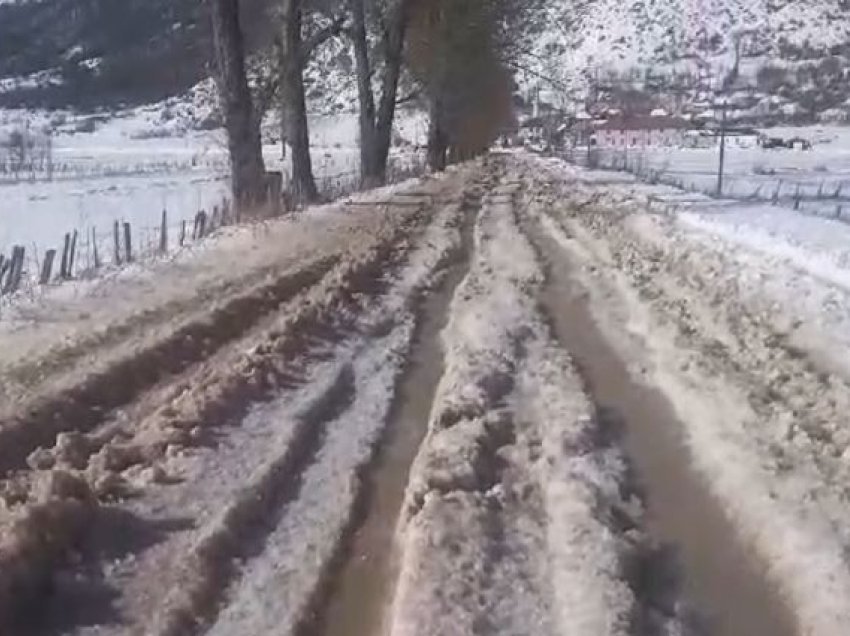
(723, 106)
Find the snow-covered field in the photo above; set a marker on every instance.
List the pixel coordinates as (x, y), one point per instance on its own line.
(819, 246)
(819, 178)
(121, 172)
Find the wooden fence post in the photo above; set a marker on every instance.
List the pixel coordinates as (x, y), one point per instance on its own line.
(47, 267)
(94, 248)
(16, 270)
(182, 232)
(200, 225)
(19, 270)
(776, 193)
(116, 235)
(66, 251)
(128, 243)
(73, 256)
(163, 233)
(226, 211)
(4, 265)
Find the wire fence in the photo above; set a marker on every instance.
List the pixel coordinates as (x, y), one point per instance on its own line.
(79, 169)
(822, 197)
(86, 252)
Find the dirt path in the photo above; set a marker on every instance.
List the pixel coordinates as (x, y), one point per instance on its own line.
(475, 404)
(358, 592)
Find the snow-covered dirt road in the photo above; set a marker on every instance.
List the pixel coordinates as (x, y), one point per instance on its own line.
(505, 400)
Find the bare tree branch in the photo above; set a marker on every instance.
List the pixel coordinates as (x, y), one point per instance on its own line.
(309, 45)
(412, 95)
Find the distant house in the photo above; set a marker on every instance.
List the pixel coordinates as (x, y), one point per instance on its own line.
(641, 131)
(701, 138)
(710, 137)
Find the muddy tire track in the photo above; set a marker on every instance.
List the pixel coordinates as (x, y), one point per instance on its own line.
(209, 401)
(354, 596)
(255, 511)
(728, 593)
(511, 516)
(222, 394)
(369, 421)
(761, 419)
(84, 406)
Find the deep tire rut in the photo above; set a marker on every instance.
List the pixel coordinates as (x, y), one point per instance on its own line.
(250, 352)
(253, 515)
(725, 587)
(83, 407)
(222, 398)
(425, 434)
(359, 584)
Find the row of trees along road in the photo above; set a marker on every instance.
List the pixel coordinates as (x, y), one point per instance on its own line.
(456, 55)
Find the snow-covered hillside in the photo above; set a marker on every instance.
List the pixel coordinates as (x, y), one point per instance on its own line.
(584, 41)
(627, 32)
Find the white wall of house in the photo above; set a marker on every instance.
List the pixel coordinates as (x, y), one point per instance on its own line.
(641, 138)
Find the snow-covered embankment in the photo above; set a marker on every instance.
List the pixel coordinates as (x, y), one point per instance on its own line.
(508, 515)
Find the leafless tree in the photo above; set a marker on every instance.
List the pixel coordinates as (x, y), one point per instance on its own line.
(376, 119)
(460, 50)
(295, 47)
(293, 100)
(248, 173)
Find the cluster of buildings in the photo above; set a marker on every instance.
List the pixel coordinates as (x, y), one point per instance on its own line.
(637, 131)
(618, 131)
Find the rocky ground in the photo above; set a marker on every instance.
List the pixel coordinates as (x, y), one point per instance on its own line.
(499, 401)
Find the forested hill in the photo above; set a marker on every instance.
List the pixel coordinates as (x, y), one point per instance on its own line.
(790, 53)
(106, 52)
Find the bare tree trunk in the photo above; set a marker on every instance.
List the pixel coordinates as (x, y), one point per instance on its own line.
(294, 102)
(284, 124)
(364, 94)
(438, 142)
(376, 125)
(393, 54)
(243, 130)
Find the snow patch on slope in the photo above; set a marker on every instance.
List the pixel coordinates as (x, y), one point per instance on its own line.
(583, 40)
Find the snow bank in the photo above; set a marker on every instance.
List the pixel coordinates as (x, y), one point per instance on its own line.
(504, 524)
(702, 318)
